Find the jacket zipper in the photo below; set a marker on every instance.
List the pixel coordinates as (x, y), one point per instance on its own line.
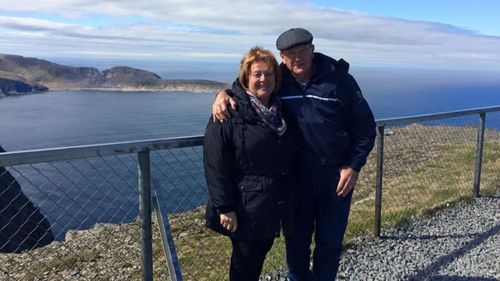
(307, 127)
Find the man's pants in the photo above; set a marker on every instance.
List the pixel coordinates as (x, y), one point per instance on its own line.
(322, 212)
(247, 258)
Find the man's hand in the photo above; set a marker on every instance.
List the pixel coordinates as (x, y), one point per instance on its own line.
(347, 182)
(219, 107)
(229, 221)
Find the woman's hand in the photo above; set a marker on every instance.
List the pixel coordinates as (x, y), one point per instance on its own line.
(229, 221)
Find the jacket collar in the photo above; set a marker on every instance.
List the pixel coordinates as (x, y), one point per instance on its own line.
(242, 99)
(245, 108)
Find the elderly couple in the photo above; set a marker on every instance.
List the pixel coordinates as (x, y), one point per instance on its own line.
(283, 150)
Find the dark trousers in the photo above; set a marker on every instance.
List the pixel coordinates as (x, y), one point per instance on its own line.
(247, 259)
(323, 213)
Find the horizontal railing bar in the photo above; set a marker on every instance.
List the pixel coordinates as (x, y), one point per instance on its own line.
(434, 116)
(95, 150)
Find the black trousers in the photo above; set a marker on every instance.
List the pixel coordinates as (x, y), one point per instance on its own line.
(247, 259)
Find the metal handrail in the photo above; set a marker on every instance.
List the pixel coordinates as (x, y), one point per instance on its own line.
(434, 116)
(14, 158)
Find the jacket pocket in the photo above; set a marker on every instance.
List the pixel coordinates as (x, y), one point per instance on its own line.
(252, 197)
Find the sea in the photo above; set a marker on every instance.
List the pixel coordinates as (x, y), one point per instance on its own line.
(67, 118)
(70, 118)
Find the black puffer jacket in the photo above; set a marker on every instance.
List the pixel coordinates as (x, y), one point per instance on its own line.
(248, 170)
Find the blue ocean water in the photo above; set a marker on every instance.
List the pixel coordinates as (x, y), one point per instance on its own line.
(397, 93)
(68, 118)
(64, 118)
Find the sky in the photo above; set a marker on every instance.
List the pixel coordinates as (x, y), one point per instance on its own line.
(426, 34)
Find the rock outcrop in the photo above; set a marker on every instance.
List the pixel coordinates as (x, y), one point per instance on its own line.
(22, 226)
(15, 87)
(60, 77)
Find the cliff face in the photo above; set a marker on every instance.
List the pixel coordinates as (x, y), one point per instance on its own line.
(12, 87)
(41, 74)
(23, 226)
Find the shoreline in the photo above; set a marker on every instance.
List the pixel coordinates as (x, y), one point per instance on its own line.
(134, 90)
(117, 90)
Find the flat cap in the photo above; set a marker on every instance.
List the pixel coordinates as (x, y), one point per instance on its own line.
(293, 37)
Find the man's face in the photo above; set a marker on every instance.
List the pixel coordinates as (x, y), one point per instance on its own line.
(299, 60)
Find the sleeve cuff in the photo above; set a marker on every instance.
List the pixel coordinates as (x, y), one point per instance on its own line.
(224, 209)
(355, 166)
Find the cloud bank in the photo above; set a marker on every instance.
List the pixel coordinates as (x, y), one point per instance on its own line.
(180, 30)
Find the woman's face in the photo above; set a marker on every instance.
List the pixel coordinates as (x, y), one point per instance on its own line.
(261, 82)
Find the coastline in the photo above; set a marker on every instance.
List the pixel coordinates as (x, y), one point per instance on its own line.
(23, 75)
(136, 90)
(118, 90)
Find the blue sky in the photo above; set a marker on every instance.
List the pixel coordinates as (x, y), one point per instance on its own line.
(440, 34)
(479, 16)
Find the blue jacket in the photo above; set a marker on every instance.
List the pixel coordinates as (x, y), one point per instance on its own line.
(334, 122)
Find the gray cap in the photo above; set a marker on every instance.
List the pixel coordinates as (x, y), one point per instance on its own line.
(293, 37)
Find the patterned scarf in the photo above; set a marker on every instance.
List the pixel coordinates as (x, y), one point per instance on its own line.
(270, 115)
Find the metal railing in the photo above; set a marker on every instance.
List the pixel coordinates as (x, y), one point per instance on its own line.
(89, 194)
(395, 122)
(58, 168)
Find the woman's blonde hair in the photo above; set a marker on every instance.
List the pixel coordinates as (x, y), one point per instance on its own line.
(259, 54)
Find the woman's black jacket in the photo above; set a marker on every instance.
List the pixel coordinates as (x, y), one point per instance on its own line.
(248, 170)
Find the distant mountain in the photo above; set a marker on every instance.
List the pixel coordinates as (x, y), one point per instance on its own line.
(20, 74)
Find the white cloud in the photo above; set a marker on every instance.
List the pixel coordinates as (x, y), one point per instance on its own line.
(224, 30)
(21, 23)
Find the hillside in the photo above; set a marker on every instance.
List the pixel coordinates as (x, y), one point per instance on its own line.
(18, 74)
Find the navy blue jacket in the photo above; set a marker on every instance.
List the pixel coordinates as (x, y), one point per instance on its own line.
(334, 122)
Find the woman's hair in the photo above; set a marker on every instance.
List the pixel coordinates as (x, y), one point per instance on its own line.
(258, 54)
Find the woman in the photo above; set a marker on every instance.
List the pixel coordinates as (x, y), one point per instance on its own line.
(247, 162)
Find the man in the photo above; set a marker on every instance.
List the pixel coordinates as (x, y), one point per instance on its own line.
(336, 132)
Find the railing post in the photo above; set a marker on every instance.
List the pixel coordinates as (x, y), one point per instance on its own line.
(479, 153)
(380, 166)
(145, 214)
(167, 239)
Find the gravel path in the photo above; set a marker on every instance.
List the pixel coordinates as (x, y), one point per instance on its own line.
(460, 243)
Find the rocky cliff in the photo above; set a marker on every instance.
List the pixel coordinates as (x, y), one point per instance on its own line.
(22, 225)
(13, 87)
(41, 74)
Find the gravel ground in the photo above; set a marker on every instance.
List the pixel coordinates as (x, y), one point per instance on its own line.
(459, 243)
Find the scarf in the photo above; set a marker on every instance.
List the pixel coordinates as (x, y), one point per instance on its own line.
(270, 115)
